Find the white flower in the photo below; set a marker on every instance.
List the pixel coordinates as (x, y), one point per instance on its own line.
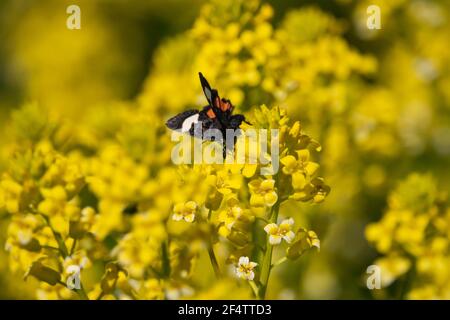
(244, 269)
(283, 231)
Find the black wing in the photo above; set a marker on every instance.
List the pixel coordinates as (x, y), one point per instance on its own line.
(210, 94)
(175, 123)
(236, 120)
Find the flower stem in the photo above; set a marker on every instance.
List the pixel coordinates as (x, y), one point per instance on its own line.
(65, 253)
(265, 272)
(165, 260)
(214, 262)
(74, 244)
(254, 288)
(82, 293)
(100, 296)
(278, 262)
(267, 259)
(50, 247)
(61, 245)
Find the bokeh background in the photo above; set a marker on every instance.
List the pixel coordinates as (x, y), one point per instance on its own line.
(377, 100)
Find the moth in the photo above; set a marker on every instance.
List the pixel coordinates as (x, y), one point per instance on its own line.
(218, 114)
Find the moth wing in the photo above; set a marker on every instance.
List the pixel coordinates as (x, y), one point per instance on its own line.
(210, 94)
(236, 121)
(226, 106)
(176, 122)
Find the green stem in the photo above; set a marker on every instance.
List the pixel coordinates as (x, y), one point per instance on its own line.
(74, 244)
(278, 262)
(165, 260)
(267, 259)
(82, 293)
(254, 288)
(100, 296)
(61, 245)
(50, 247)
(214, 262)
(265, 272)
(65, 253)
(212, 256)
(262, 219)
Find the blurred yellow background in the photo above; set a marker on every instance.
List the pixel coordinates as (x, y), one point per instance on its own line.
(378, 101)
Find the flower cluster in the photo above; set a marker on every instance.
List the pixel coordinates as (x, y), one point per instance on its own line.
(236, 199)
(49, 234)
(148, 245)
(88, 187)
(105, 200)
(413, 236)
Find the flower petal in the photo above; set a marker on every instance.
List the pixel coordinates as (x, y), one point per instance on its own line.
(189, 217)
(303, 155)
(311, 168)
(267, 184)
(289, 236)
(249, 170)
(287, 223)
(271, 228)
(270, 198)
(191, 205)
(243, 261)
(274, 239)
(257, 200)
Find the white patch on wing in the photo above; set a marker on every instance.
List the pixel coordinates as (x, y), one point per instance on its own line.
(187, 124)
(208, 94)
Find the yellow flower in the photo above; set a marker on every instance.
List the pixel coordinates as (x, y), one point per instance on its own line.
(316, 190)
(11, 193)
(185, 211)
(88, 217)
(392, 267)
(150, 221)
(114, 273)
(233, 211)
(225, 182)
(292, 165)
(136, 254)
(283, 231)
(302, 172)
(403, 235)
(102, 192)
(262, 192)
(78, 259)
(151, 289)
(244, 269)
(56, 292)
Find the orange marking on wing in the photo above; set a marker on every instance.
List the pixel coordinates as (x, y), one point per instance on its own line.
(210, 113)
(217, 102)
(224, 106)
